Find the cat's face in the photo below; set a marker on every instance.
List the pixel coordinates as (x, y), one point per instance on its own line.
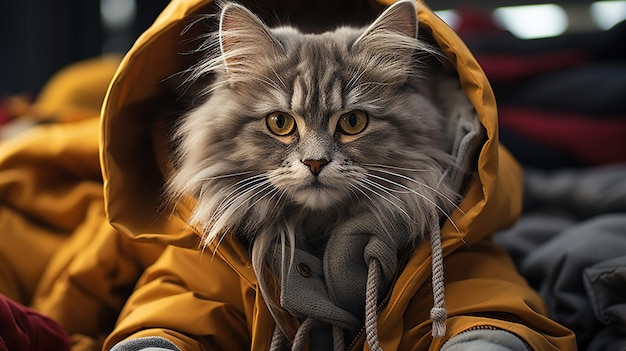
(327, 120)
(312, 122)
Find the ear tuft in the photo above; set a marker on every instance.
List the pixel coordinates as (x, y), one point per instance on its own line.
(399, 18)
(244, 39)
(390, 43)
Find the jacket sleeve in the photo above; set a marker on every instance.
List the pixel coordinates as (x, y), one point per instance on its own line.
(191, 298)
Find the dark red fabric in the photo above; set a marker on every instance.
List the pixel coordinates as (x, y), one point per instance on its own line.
(23, 329)
(594, 141)
(503, 68)
(5, 113)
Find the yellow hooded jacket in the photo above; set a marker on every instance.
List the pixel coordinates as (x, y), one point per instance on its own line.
(75, 255)
(202, 301)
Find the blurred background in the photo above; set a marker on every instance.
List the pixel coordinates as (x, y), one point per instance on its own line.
(557, 68)
(39, 37)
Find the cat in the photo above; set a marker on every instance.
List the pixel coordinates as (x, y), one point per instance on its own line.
(298, 133)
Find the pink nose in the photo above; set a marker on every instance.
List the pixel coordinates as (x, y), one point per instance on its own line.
(315, 165)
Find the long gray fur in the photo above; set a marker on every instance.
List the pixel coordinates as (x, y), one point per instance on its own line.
(255, 184)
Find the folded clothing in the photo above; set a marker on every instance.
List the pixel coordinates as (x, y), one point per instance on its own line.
(23, 329)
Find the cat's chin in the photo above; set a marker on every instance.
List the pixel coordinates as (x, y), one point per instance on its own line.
(318, 198)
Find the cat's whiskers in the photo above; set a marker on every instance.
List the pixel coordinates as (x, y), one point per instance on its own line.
(357, 187)
(236, 188)
(247, 188)
(280, 198)
(222, 207)
(374, 210)
(367, 91)
(351, 187)
(272, 190)
(415, 181)
(229, 175)
(271, 83)
(233, 204)
(439, 208)
(272, 193)
(365, 184)
(262, 191)
(378, 165)
(243, 183)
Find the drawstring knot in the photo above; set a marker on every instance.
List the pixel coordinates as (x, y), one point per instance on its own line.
(439, 316)
(336, 293)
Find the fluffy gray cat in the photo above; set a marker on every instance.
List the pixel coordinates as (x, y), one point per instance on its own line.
(299, 133)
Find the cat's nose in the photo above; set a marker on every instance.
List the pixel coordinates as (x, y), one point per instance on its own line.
(316, 165)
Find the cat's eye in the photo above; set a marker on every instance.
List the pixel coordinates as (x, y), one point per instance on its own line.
(280, 123)
(353, 122)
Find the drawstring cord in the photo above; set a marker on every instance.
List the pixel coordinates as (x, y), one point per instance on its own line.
(371, 301)
(277, 340)
(438, 313)
(303, 332)
(338, 339)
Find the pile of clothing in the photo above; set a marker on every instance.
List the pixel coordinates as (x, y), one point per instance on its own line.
(562, 113)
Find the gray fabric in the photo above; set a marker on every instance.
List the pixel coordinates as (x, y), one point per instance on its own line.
(348, 253)
(556, 269)
(608, 339)
(485, 340)
(307, 296)
(532, 231)
(464, 131)
(605, 283)
(582, 193)
(334, 289)
(152, 343)
(569, 243)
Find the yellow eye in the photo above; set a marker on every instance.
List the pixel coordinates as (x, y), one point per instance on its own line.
(353, 122)
(280, 123)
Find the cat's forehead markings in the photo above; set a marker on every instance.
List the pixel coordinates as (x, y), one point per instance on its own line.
(334, 97)
(316, 87)
(298, 94)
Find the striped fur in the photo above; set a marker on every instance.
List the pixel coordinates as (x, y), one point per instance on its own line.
(253, 183)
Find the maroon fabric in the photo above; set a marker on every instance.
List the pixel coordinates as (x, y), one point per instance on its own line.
(594, 141)
(5, 113)
(23, 329)
(504, 68)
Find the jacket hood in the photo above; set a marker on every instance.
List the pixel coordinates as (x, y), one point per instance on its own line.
(143, 87)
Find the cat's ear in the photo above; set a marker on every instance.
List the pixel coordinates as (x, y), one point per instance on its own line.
(244, 39)
(399, 18)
